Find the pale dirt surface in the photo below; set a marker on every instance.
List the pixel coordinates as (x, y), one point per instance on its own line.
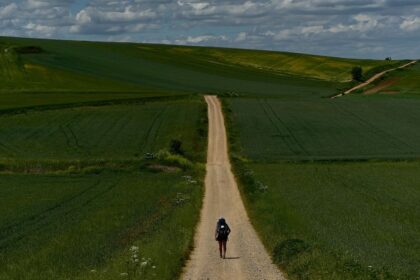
(246, 256)
(372, 79)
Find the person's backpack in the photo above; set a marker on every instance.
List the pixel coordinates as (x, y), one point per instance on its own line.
(222, 229)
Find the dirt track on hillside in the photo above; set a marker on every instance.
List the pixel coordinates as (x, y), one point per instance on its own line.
(374, 78)
(246, 257)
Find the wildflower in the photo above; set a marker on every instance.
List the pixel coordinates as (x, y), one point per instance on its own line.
(124, 274)
(143, 264)
(93, 270)
(154, 266)
(134, 249)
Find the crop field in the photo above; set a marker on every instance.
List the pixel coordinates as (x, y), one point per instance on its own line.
(78, 198)
(310, 66)
(114, 132)
(350, 128)
(77, 191)
(340, 220)
(83, 226)
(332, 185)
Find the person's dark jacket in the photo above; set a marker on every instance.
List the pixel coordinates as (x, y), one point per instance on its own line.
(218, 225)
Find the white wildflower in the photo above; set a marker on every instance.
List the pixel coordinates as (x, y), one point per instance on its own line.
(124, 274)
(143, 264)
(134, 249)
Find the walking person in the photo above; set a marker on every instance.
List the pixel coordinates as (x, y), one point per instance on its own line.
(221, 235)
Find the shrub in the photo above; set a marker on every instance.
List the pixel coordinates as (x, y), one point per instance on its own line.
(29, 50)
(176, 147)
(357, 73)
(166, 157)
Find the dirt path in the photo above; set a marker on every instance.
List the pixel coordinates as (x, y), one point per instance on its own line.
(374, 78)
(246, 256)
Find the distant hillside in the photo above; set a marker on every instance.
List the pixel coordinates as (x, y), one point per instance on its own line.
(51, 65)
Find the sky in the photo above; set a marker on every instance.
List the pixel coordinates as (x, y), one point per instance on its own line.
(358, 28)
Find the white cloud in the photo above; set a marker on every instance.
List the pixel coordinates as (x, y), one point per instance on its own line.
(410, 24)
(312, 29)
(200, 39)
(363, 23)
(39, 29)
(241, 37)
(129, 14)
(8, 11)
(128, 18)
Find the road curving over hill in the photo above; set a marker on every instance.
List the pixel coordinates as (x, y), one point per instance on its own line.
(246, 256)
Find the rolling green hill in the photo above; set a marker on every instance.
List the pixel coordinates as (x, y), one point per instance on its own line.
(89, 66)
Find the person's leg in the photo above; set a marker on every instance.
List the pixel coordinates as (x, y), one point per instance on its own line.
(224, 248)
(220, 247)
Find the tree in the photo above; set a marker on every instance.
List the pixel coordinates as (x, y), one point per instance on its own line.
(176, 147)
(357, 73)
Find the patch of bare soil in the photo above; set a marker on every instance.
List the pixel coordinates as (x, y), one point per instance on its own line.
(381, 86)
(163, 168)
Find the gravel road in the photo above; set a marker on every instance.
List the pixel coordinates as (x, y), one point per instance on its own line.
(246, 256)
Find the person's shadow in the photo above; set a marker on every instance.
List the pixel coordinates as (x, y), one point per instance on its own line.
(232, 258)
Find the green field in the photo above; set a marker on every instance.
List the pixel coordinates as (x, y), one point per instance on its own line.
(88, 66)
(82, 226)
(340, 220)
(77, 192)
(327, 182)
(112, 132)
(346, 128)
